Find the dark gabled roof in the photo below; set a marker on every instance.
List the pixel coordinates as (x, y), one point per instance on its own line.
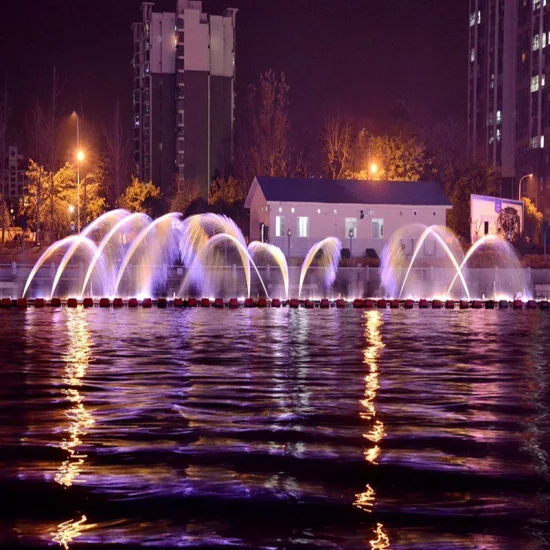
(414, 193)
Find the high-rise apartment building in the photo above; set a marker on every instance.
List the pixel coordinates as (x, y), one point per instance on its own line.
(509, 67)
(184, 71)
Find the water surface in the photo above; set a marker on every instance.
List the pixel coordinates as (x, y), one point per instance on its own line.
(274, 428)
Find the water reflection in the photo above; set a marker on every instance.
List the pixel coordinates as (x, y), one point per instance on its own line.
(69, 530)
(80, 419)
(365, 500)
(372, 352)
(381, 541)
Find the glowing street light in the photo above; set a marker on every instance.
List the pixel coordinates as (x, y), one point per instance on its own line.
(527, 176)
(289, 234)
(71, 209)
(373, 168)
(79, 159)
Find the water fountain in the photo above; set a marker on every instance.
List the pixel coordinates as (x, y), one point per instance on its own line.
(438, 270)
(329, 250)
(123, 254)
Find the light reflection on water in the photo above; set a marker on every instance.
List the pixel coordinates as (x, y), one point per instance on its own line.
(275, 428)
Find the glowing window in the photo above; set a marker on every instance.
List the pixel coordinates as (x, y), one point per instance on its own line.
(303, 226)
(279, 226)
(377, 228)
(280, 209)
(535, 83)
(351, 225)
(292, 210)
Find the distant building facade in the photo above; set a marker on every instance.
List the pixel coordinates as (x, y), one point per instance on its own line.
(508, 111)
(183, 94)
(294, 214)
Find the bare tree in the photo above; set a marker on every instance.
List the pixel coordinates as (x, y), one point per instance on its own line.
(117, 155)
(265, 151)
(337, 138)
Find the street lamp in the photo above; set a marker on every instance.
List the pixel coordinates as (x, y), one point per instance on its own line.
(350, 234)
(519, 184)
(289, 234)
(71, 209)
(373, 168)
(79, 158)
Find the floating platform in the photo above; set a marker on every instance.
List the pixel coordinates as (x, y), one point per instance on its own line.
(293, 303)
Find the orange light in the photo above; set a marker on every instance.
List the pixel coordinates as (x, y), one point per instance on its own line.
(80, 156)
(373, 168)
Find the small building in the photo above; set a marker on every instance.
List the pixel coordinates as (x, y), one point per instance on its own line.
(484, 212)
(293, 214)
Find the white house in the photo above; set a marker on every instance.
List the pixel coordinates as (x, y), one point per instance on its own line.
(296, 213)
(484, 212)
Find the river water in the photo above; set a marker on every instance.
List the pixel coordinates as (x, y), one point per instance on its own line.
(275, 428)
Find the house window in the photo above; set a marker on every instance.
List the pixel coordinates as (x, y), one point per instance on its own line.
(351, 225)
(377, 228)
(429, 247)
(303, 226)
(279, 226)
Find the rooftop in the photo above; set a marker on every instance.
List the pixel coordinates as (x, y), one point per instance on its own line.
(414, 193)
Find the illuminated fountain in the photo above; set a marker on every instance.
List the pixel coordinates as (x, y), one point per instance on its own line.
(436, 266)
(123, 255)
(328, 252)
(258, 250)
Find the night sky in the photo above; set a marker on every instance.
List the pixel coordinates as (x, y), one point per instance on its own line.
(355, 57)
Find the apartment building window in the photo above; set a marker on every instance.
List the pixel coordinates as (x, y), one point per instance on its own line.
(535, 83)
(303, 226)
(536, 42)
(279, 226)
(499, 117)
(473, 55)
(377, 228)
(351, 225)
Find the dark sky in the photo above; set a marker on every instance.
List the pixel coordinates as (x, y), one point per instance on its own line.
(352, 56)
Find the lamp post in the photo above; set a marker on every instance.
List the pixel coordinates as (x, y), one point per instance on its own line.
(519, 184)
(79, 159)
(350, 234)
(289, 234)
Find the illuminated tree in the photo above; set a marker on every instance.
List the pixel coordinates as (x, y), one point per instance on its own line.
(229, 191)
(398, 158)
(140, 197)
(532, 227)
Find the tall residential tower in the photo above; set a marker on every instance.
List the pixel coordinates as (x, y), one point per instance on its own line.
(509, 67)
(184, 71)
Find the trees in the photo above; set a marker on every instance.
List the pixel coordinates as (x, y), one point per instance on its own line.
(474, 179)
(265, 148)
(508, 224)
(117, 155)
(398, 158)
(140, 197)
(188, 192)
(59, 190)
(532, 226)
(337, 140)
